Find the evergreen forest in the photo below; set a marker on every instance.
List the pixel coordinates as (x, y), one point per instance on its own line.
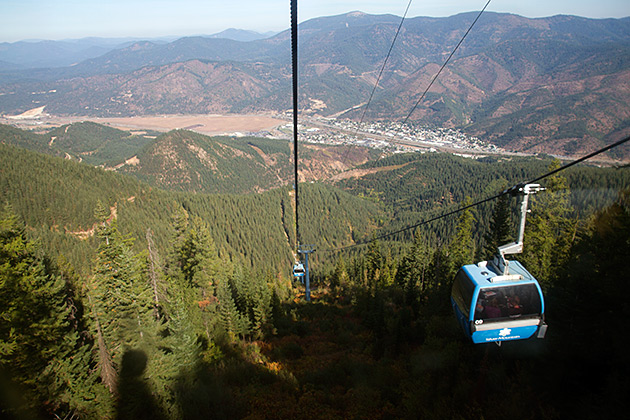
(120, 299)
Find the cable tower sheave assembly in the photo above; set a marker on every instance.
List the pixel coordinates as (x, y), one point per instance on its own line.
(300, 270)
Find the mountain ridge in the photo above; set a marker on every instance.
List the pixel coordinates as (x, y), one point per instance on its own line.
(515, 81)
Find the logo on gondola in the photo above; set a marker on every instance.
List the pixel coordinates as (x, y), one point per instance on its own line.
(505, 331)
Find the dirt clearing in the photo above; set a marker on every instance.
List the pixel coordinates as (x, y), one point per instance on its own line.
(210, 124)
(204, 124)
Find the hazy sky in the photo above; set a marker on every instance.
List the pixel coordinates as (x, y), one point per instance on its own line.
(62, 19)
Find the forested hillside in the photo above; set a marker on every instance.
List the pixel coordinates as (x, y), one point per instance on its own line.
(147, 275)
(393, 192)
(56, 198)
(415, 187)
(97, 144)
(186, 161)
(86, 141)
(182, 160)
(177, 306)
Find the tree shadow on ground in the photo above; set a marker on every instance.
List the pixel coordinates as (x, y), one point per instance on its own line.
(135, 400)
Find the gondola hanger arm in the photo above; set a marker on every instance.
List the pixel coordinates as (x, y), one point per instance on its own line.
(499, 260)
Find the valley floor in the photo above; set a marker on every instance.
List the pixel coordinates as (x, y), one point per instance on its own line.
(209, 124)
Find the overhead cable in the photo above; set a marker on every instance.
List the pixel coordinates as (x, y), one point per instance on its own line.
(485, 200)
(380, 74)
(294, 66)
(378, 79)
(445, 63)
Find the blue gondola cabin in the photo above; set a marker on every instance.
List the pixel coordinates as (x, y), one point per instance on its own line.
(298, 270)
(491, 307)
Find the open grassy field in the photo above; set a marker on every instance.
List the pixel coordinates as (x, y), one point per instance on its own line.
(205, 124)
(210, 124)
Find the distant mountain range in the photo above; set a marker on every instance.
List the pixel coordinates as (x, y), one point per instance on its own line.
(52, 54)
(557, 84)
(242, 35)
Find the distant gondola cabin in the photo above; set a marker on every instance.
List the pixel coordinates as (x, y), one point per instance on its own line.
(491, 307)
(298, 270)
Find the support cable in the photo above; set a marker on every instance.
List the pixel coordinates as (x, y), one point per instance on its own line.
(380, 74)
(432, 80)
(445, 63)
(485, 200)
(378, 79)
(300, 248)
(294, 66)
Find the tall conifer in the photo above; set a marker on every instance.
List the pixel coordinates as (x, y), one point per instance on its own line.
(462, 247)
(121, 300)
(39, 335)
(501, 229)
(550, 231)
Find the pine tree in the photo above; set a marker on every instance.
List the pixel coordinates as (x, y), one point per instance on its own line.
(232, 321)
(501, 229)
(121, 301)
(39, 337)
(374, 264)
(193, 271)
(155, 274)
(462, 247)
(588, 305)
(243, 290)
(261, 305)
(75, 372)
(339, 280)
(413, 274)
(440, 279)
(198, 257)
(549, 232)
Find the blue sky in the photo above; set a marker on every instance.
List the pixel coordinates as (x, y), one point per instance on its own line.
(62, 19)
